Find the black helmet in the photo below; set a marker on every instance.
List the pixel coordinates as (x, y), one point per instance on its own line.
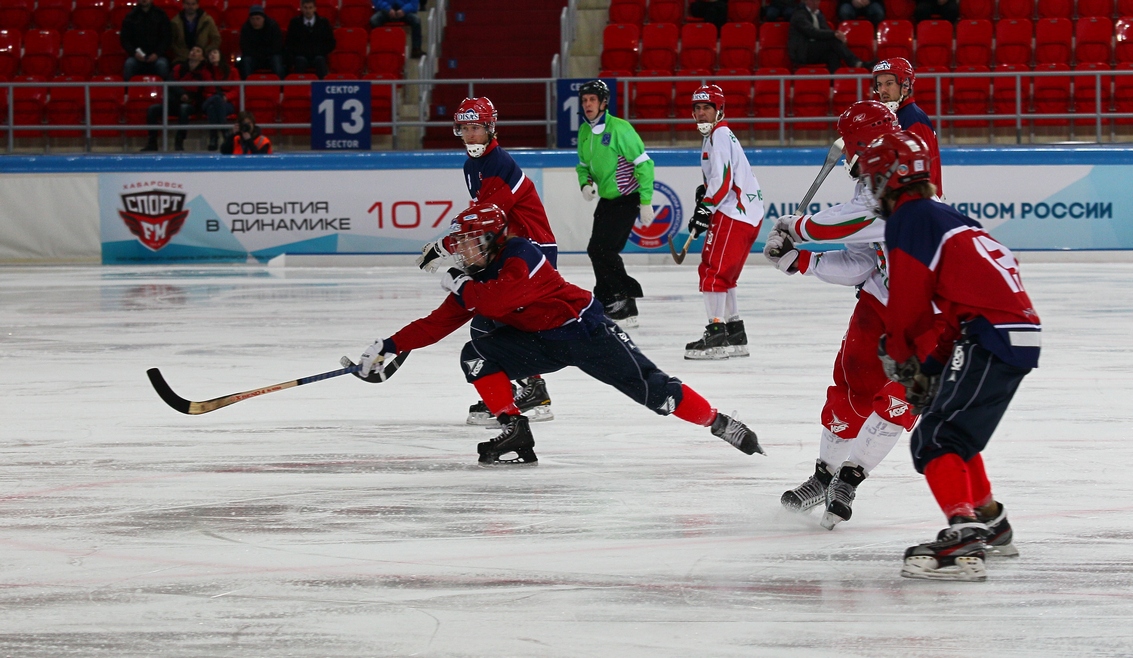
(597, 88)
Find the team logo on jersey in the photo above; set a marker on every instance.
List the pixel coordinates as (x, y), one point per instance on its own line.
(897, 407)
(154, 216)
(473, 366)
(669, 406)
(667, 219)
(838, 425)
(957, 363)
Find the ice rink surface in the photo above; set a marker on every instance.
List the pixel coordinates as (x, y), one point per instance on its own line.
(348, 519)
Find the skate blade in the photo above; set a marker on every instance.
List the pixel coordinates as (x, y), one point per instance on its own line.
(714, 354)
(965, 569)
(791, 507)
(482, 419)
(830, 519)
(628, 323)
(1005, 551)
(738, 351)
(534, 415)
(526, 458)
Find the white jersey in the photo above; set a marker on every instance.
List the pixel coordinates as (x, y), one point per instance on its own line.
(855, 224)
(730, 187)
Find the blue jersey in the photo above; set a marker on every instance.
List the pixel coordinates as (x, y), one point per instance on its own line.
(495, 178)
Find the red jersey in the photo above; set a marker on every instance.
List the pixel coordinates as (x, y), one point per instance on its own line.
(495, 178)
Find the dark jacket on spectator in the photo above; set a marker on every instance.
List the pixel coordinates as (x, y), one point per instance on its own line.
(803, 32)
(263, 43)
(309, 42)
(148, 30)
(207, 37)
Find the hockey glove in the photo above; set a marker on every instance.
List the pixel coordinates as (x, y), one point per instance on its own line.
(453, 279)
(375, 355)
(920, 388)
(789, 224)
(589, 192)
(700, 192)
(701, 218)
(646, 217)
(780, 250)
(431, 256)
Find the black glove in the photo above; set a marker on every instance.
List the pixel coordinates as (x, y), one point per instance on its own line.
(920, 388)
(701, 218)
(700, 192)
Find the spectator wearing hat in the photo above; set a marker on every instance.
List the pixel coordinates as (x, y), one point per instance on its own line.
(261, 44)
(405, 11)
(310, 40)
(145, 37)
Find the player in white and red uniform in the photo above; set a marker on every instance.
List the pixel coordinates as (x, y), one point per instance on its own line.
(492, 176)
(946, 270)
(864, 412)
(545, 325)
(893, 80)
(729, 206)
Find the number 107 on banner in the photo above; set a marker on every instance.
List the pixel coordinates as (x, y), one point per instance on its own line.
(340, 116)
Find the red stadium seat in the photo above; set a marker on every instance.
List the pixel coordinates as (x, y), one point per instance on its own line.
(1093, 40)
(236, 13)
(811, 97)
(230, 44)
(1051, 94)
(737, 46)
(118, 12)
(349, 54)
(768, 94)
(859, 38)
(387, 51)
(666, 11)
(902, 10)
(1016, 9)
(895, 39)
(80, 53)
(1013, 41)
(296, 104)
(1123, 93)
(41, 53)
(66, 106)
(91, 15)
(1123, 35)
(15, 15)
(381, 102)
(743, 11)
(829, 9)
(620, 46)
(1086, 94)
(1088, 8)
(10, 48)
(971, 96)
(1052, 41)
(977, 10)
(659, 47)
(263, 100)
(139, 99)
(29, 105)
(355, 13)
(773, 45)
(848, 91)
(328, 9)
(653, 100)
(282, 11)
(737, 93)
(926, 94)
(52, 14)
(627, 11)
(1055, 8)
(106, 104)
(171, 7)
(973, 42)
(698, 46)
(1009, 93)
(934, 43)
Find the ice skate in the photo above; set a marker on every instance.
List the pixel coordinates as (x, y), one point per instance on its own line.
(624, 312)
(713, 345)
(809, 494)
(840, 494)
(999, 542)
(737, 339)
(737, 434)
(957, 554)
(531, 398)
(515, 439)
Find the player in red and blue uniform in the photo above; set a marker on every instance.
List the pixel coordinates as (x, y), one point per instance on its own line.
(893, 80)
(544, 324)
(991, 337)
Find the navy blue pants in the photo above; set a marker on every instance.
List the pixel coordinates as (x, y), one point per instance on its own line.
(481, 325)
(594, 345)
(975, 389)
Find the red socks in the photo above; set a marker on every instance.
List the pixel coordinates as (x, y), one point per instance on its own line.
(948, 479)
(694, 408)
(495, 391)
(977, 479)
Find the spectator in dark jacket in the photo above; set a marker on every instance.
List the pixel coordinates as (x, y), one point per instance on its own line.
(188, 97)
(192, 27)
(811, 41)
(779, 10)
(261, 44)
(404, 11)
(245, 138)
(145, 38)
(224, 98)
(711, 11)
(310, 41)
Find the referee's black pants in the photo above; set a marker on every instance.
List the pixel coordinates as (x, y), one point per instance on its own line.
(613, 222)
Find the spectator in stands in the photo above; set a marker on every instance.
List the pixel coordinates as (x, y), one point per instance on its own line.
(778, 10)
(187, 97)
(711, 11)
(245, 138)
(948, 10)
(192, 27)
(261, 44)
(404, 11)
(811, 41)
(870, 10)
(310, 41)
(145, 37)
(223, 100)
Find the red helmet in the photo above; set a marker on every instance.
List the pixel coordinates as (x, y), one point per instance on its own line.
(863, 122)
(901, 69)
(711, 94)
(475, 110)
(894, 161)
(476, 235)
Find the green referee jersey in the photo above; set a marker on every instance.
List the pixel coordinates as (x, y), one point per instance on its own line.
(613, 156)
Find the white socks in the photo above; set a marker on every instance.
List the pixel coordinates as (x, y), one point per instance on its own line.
(876, 438)
(714, 303)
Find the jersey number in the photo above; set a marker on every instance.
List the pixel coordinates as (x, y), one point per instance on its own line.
(1001, 258)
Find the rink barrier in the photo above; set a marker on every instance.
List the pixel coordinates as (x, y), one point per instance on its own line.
(201, 208)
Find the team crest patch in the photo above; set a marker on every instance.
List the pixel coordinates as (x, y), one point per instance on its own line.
(897, 407)
(154, 216)
(669, 406)
(838, 425)
(606, 139)
(668, 219)
(473, 367)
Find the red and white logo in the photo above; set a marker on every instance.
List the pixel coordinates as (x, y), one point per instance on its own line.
(154, 216)
(897, 407)
(838, 425)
